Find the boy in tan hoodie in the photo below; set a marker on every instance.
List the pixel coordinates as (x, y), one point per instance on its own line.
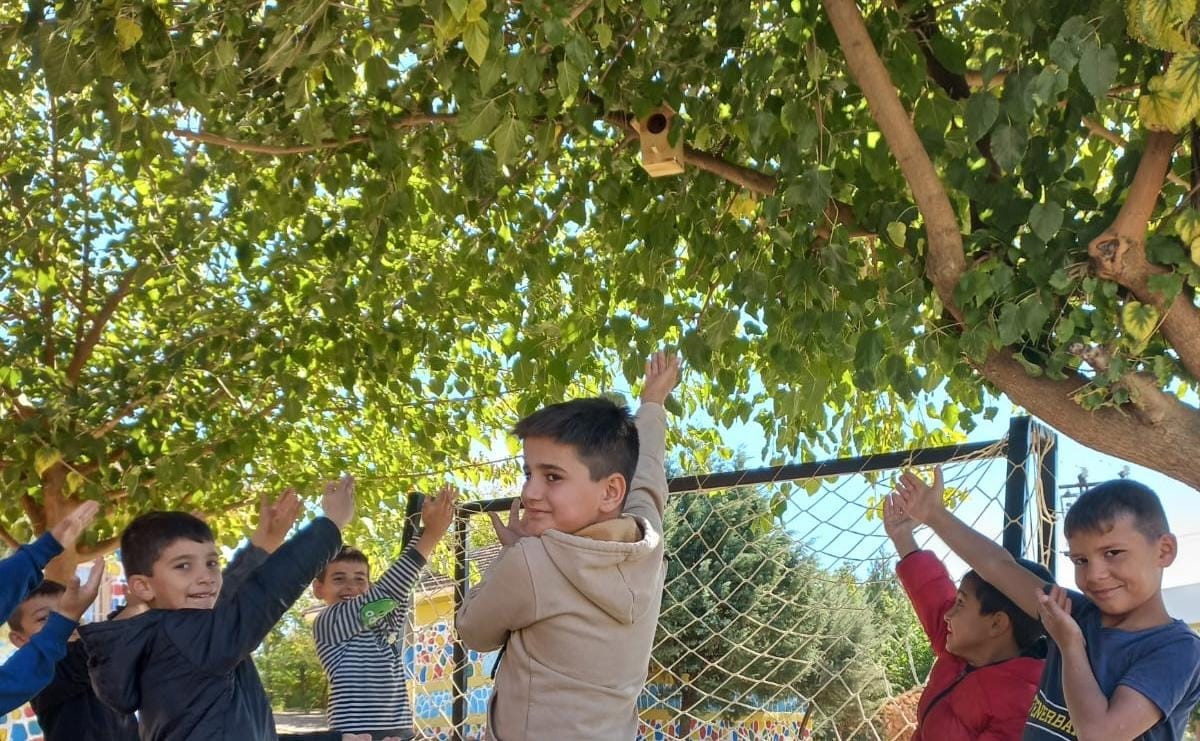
(574, 595)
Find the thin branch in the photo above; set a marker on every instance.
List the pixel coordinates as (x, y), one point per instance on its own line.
(409, 121)
(1098, 129)
(84, 350)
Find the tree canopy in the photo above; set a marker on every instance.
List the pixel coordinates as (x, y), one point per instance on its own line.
(249, 243)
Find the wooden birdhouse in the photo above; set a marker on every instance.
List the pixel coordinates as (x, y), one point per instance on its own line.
(659, 157)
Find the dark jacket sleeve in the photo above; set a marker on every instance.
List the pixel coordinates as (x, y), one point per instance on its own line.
(243, 563)
(31, 668)
(216, 640)
(22, 571)
(931, 592)
(70, 680)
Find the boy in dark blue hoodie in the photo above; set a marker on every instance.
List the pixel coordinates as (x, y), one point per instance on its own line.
(29, 670)
(185, 662)
(68, 709)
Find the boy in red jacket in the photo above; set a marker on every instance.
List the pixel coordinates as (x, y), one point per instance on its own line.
(988, 652)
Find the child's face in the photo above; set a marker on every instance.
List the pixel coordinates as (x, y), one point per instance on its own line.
(559, 493)
(967, 629)
(343, 580)
(34, 612)
(1120, 569)
(187, 575)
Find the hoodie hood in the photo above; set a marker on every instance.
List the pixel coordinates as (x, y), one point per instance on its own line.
(598, 562)
(115, 649)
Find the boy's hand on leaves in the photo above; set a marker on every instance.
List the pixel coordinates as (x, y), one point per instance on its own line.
(76, 600)
(438, 512)
(338, 501)
(275, 520)
(69, 528)
(515, 530)
(662, 373)
(919, 500)
(1054, 609)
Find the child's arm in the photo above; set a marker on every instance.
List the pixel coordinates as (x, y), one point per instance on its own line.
(31, 668)
(340, 622)
(648, 490)
(923, 576)
(994, 565)
(275, 521)
(502, 602)
(218, 639)
(22, 571)
(1129, 713)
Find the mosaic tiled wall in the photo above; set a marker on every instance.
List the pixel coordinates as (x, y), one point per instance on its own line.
(20, 725)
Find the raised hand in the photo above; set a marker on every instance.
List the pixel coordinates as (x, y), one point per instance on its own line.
(919, 500)
(69, 528)
(338, 501)
(1054, 609)
(437, 512)
(514, 530)
(898, 526)
(78, 597)
(662, 373)
(275, 520)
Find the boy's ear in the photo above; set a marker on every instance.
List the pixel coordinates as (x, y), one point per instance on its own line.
(140, 586)
(614, 493)
(17, 638)
(319, 588)
(1000, 623)
(1168, 549)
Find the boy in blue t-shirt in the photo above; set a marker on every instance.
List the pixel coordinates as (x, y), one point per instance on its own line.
(1119, 667)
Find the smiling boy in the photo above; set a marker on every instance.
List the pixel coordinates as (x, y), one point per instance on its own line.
(1119, 667)
(575, 593)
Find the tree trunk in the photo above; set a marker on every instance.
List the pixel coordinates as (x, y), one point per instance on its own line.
(1155, 429)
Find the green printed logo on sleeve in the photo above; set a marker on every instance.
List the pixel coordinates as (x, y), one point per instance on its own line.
(373, 613)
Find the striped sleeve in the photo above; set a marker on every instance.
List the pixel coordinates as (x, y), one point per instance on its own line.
(339, 623)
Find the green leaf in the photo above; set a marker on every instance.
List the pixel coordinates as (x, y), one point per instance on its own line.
(44, 459)
(1008, 146)
(568, 81)
(1140, 320)
(508, 140)
(1187, 225)
(982, 110)
(1046, 219)
(128, 33)
(1098, 68)
(481, 124)
(475, 39)
(897, 232)
(604, 34)
(377, 73)
(458, 8)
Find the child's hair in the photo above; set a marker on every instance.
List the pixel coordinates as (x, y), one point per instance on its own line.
(601, 431)
(1027, 630)
(47, 588)
(1099, 507)
(347, 553)
(148, 536)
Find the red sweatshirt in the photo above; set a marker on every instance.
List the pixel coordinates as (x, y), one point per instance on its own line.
(989, 702)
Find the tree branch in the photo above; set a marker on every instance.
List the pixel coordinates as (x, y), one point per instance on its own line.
(8, 539)
(410, 121)
(98, 549)
(35, 513)
(1098, 129)
(1119, 253)
(83, 351)
(946, 262)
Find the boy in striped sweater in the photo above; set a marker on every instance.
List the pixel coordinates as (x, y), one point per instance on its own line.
(359, 635)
